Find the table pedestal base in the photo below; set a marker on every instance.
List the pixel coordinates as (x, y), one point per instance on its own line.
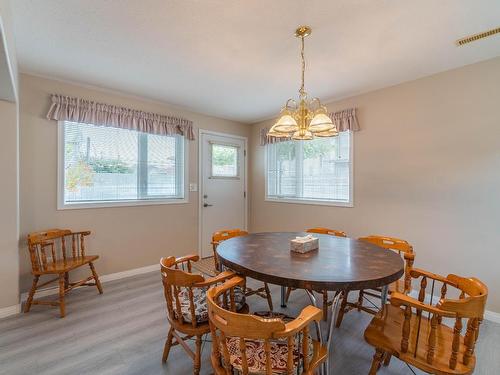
(283, 294)
(334, 310)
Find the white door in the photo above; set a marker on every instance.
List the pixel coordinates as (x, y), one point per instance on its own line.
(223, 184)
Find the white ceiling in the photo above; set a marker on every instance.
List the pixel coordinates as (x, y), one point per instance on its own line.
(238, 59)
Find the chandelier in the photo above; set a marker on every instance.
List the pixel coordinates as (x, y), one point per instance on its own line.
(307, 118)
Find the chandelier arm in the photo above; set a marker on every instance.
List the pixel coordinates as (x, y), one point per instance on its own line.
(316, 100)
(291, 101)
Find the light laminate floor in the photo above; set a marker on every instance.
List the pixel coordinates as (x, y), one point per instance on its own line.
(123, 332)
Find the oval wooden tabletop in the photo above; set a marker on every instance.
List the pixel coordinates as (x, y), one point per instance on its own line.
(339, 263)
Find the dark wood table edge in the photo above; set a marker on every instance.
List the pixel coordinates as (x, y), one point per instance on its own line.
(312, 285)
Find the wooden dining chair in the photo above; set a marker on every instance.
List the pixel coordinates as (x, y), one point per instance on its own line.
(331, 232)
(326, 302)
(56, 252)
(404, 249)
(251, 344)
(187, 312)
(226, 234)
(415, 330)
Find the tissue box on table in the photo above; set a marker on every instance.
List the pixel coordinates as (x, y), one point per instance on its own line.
(304, 244)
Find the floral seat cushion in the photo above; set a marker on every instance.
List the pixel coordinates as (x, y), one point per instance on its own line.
(256, 355)
(200, 303)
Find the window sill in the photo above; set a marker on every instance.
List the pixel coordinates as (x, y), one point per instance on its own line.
(130, 203)
(310, 202)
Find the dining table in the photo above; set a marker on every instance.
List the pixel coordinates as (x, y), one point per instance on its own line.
(340, 265)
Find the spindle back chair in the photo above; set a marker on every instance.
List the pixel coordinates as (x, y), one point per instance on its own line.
(255, 345)
(185, 296)
(414, 330)
(57, 252)
(326, 302)
(226, 234)
(222, 235)
(405, 250)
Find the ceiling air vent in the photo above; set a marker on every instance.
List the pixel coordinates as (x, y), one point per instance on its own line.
(473, 38)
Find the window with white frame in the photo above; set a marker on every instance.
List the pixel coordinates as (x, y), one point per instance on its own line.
(316, 171)
(100, 165)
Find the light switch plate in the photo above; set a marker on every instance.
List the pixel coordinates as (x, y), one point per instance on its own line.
(193, 186)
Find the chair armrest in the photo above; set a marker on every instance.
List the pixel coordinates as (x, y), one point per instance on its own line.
(172, 261)
(191, 257)
(84, 232)
(409, 256)
(399, 299)
(307, 315)
(216, 279)
(417, 272)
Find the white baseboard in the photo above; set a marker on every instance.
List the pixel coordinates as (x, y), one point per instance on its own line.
(129, 273)
(10, 310)
(104, 278)
(15, 309)
(492, 316)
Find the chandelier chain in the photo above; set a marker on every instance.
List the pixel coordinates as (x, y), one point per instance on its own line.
(302, 91)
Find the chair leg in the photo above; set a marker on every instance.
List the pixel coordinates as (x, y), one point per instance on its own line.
(387, 359)
(62, 307)
(377, 359)
(325, 305)
(360, 299)
(66, 280)
(269, 297)
(96, 277)
(343, 305)
(288, 292)
(197, 356)
(29, 301)
(168, 345)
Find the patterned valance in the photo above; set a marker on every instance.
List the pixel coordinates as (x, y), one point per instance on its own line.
(66, 108)
(344, 120)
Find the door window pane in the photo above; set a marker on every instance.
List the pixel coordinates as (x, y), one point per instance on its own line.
(224, 160)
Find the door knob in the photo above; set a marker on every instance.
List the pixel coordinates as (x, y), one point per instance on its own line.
(207, 205)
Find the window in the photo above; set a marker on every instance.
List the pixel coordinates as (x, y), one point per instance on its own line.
(317, 171)
(224, 160)
(102, 166)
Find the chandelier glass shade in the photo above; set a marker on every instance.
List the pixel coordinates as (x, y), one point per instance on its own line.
(306, 118)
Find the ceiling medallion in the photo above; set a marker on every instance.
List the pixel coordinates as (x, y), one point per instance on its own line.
(307, 118)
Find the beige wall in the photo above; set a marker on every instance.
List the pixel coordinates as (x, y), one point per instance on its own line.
(426, 169)
(125, 237)
(9, 258)
(9, 169)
